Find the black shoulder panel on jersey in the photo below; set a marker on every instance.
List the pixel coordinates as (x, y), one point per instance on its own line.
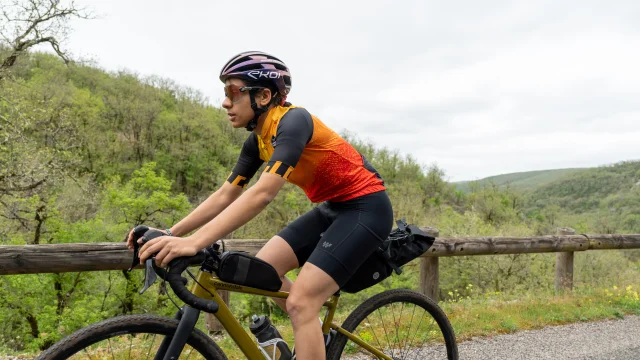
(248, 162)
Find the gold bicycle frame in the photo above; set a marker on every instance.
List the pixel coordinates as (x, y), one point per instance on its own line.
(211, 283)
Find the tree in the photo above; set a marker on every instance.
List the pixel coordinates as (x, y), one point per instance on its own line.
(26, 24)
(35, 131)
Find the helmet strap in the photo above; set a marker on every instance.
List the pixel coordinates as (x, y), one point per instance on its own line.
(257, 112)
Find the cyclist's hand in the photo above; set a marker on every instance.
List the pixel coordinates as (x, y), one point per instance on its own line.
(130, 237)
(167, 249)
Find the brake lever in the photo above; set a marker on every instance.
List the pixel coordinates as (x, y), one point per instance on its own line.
(138, 232)
(151, 271)
(150, 276)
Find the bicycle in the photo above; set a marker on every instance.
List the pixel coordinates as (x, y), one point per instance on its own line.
(361, 332)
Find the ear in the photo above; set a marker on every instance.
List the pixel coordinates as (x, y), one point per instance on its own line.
(264, 97)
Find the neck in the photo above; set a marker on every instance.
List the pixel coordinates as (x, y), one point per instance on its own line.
(261, 119)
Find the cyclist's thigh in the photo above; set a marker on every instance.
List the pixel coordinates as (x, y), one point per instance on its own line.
(302, 235)
(279, 254)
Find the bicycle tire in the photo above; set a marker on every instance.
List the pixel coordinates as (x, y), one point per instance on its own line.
(129, 325)
(390, 297)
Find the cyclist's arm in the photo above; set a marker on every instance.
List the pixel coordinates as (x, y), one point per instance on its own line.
(248, 206)
(208, 209)
(294, 131)
(247, 165)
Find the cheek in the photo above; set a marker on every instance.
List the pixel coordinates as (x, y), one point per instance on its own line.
(244, 109)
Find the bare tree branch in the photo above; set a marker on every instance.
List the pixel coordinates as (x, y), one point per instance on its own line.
(36, 22)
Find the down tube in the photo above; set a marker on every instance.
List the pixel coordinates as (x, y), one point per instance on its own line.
(362, 343)
(238, 334)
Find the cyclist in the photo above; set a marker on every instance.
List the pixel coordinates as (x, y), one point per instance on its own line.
(331, 241)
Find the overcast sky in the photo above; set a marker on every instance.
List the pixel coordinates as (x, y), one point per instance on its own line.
(479, 88)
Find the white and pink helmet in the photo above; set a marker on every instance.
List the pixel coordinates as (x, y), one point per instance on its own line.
(257, 67)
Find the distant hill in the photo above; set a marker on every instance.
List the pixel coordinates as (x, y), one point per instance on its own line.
(527, 180)
(606, 196)
(613, 188)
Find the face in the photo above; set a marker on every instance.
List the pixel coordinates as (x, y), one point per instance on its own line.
(239, 109)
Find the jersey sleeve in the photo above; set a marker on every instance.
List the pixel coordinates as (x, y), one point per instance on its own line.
(248, 163)
(294, 132)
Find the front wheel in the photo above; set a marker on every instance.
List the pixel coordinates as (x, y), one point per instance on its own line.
(130, 337)
(403, 324)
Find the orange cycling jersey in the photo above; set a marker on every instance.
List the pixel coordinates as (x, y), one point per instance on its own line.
(299, 147)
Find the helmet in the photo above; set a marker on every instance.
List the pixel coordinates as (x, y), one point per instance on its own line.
(258, 67)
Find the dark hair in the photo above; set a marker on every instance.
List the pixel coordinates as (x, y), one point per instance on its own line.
(276, 97)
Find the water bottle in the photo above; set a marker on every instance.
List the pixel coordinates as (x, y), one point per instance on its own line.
(269, 338)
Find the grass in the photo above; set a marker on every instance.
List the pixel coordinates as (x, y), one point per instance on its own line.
(501, 313)
(497, 313)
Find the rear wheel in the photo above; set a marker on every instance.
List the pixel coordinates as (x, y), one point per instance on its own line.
(403, 324)
(130, 337)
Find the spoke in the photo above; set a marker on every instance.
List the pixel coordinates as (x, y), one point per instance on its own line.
(421, 347)
(112, 356)
(394, 323)
(418, 329)
(383, 327)
(153, 341)
(360, 348)
(373, 330)
(85, 350)
(433, 321)
(409, 331)
(190, 352)
(400, 324)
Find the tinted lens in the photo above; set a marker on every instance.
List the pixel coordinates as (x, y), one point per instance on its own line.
(232, 92)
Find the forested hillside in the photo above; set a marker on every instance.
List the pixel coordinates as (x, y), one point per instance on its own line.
(608, 196)
(87, 154)
(526, 180)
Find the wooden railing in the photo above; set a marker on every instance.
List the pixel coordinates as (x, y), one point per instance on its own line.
(33, 259)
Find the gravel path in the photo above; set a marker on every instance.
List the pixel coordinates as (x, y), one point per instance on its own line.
(611, 340)
(603, 340)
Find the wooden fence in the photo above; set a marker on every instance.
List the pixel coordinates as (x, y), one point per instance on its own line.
(57, 258)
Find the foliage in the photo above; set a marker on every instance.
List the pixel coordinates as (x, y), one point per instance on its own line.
(522, 181)
(607, 198)
(86, 155)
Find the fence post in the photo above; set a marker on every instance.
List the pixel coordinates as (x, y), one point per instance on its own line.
(564, 265)
(429, 272)
(211, 323)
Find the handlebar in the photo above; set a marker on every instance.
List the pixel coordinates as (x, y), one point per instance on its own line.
(176, 268)
(174, 277)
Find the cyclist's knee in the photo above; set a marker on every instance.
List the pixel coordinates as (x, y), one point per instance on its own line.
(301, 309)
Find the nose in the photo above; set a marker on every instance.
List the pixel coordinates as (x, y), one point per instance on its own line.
(226, 103)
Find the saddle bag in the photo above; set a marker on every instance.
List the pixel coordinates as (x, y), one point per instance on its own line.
(403, 244)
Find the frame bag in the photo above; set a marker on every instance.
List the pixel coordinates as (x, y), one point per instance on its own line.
(238, 267)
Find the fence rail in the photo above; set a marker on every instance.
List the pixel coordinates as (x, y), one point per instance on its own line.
(57, 258)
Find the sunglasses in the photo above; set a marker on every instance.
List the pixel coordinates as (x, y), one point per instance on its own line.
(235, 92)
